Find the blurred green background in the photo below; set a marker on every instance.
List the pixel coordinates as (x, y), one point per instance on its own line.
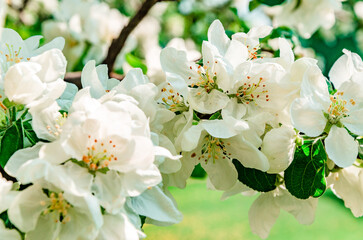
(206, 217)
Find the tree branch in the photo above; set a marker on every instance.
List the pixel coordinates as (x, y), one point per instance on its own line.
(118, 43)
(7, 176)
(75, 78)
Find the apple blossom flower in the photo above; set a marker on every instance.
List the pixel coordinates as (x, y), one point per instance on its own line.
(88, 26)
(317, 111)
(97, 79)
(214, 143)
(199, 86)
(307, 15)
(13, 49)
(38, 79)
(347, 185)
(266, 209)
(63, 214)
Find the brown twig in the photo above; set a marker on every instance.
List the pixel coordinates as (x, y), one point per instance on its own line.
(75, 78)
(118, 43)
(7, 176)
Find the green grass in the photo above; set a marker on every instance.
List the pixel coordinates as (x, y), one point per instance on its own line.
(208, 218)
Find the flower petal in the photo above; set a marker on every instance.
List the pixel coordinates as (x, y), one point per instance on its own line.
(247, 154)
(217, 36)
(307, 117)
(207, 103)
(156, 205)
(354, 122)
(263, 214)
(341, 147)
(347, 185)
(221, 172)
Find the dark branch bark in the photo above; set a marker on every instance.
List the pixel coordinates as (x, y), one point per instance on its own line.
(6, 176)
(118, 43)
(75, 78)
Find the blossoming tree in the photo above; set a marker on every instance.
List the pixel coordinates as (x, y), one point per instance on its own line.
(94, 160)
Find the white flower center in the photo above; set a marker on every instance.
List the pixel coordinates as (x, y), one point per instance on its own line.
(207, 79)
(253, 52)
(59, 206)
(337, 108)
(212, 148)
(99, 154)
(56, 129)
(253, 89)
(173, 100)
(11, 57)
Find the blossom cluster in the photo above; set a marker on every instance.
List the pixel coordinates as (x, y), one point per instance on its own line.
(90, 161)
(96, 162)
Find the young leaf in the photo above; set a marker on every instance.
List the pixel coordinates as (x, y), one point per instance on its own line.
(271, 2)
(11, 141)
(305, 175)
(253, 5)
(360, 148)
(217, 115)
(255, 179)
(136, 62)
(29, 133)
(198, 172)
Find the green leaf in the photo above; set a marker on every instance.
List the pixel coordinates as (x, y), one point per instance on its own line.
(298, 3)
(196, 119)
(9, 104)
(217, 115)
(136, 62)
(253, 5)
(282, 31)
(142, 219)
(271, 2)
(11, 141)
(305, 177)
(198, 172)
(255, 179)
(29, 133)
(360, 148)
(4, 216)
